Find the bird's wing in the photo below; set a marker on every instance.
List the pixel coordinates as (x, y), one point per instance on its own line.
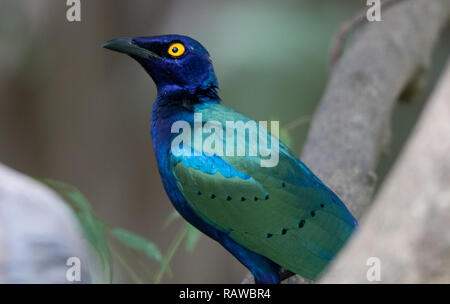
(284, 212)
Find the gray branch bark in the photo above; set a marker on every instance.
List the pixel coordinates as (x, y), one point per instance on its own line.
(351, 125)
(407, 228)
(38, 233)
(348, 131)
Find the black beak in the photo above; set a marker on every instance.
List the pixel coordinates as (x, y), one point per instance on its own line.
(128, 46)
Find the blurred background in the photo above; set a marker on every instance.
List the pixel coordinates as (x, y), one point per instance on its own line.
(74, 112)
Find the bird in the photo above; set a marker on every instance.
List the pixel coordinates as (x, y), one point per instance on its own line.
(276, 220)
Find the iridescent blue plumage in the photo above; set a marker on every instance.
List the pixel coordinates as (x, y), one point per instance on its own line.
(267, 217)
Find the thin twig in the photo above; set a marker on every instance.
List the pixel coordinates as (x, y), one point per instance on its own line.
(127, 267)
(170, 252)
(346, 28)
(297, 122)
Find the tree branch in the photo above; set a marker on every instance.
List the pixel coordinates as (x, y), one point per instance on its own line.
(347, 27)
(407, 229)
(351, 125)
(348, 130)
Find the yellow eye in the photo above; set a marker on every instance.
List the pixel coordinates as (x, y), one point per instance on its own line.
(176, 49)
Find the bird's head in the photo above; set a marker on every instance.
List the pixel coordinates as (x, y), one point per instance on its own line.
(171, 60)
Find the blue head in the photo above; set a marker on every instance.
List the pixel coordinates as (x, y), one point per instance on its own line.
(172, 61)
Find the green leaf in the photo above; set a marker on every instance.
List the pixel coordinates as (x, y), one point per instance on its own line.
(164, 265)
(136, 278)
(172, 217)
(192, 237)
(137, 242)
(93, 229)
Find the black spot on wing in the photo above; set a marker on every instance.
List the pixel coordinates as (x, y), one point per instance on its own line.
(301, 224)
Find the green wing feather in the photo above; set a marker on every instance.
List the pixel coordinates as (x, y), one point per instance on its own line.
(284, 212)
